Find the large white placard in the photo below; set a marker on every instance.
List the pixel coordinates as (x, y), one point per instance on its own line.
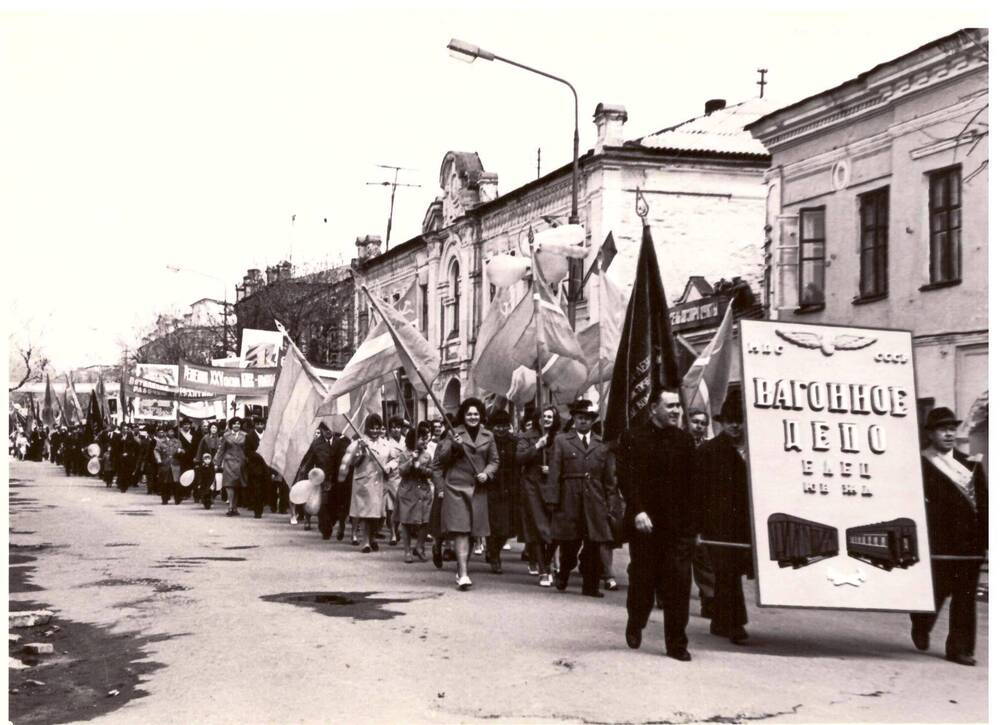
(834, 456)
(260, 348)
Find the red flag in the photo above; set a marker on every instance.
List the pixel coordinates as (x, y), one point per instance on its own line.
(646, 352)
(52, 414)
(102, 398)
(705, 384)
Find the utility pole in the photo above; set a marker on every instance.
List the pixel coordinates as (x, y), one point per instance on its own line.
(762, 82)
(392, 197)
(538, 164)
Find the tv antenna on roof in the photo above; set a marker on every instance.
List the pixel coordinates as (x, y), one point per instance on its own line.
(392, 197)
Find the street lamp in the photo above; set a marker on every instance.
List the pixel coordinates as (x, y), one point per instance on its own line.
(225, 303)
(467, 52)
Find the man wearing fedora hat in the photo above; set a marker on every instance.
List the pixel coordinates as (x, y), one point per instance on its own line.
(582, 472)
(955, 492)
(725, 518)
(657, 464)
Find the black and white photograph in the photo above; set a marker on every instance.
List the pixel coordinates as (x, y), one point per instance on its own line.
(524, 362)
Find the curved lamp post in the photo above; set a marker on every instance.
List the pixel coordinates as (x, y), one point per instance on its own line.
(467, 52)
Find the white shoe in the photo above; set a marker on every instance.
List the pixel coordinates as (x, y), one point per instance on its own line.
(533, 570)
(477, 550)
(545, 580)
(294, 520)
(506, 547)
(464, 583)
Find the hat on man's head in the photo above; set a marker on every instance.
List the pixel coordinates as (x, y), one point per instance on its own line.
(583, 407)
(939, 417)
(499, 417)
(732, 409)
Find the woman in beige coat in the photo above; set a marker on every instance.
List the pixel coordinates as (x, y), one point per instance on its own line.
(463, 463)
(372, 462)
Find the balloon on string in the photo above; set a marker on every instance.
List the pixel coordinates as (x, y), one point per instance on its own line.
(504, 270)
(218, 481)
(554, 267)
(314, 501)
(187, 478)
(93, 450)
(316, 476)
(93, 466)
(301, 491)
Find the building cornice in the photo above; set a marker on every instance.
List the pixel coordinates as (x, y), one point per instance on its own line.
(873, 92)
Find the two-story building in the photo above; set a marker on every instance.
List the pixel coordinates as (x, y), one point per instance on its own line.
(877, 209)
(702, 180)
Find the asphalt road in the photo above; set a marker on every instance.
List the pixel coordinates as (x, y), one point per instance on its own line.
(390, 642)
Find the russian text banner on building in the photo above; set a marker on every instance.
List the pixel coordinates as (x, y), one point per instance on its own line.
(236, 381)
(836, 490)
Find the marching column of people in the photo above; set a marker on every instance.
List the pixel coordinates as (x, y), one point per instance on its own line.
(677, 496)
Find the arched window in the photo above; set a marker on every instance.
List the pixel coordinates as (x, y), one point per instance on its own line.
(456, 295)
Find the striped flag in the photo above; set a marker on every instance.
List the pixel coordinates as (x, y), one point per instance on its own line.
(71, 403)
(291, 419)
(393, 343)
(705, 384)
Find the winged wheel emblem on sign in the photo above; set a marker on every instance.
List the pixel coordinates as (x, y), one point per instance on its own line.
(826, 345)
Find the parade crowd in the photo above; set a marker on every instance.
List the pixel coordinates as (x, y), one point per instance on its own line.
(471, 484)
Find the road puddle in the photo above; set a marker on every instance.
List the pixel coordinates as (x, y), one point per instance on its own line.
(362, 606)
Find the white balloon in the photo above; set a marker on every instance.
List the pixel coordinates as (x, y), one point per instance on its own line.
(218, 481)
(187, 478)
(314, 501)
(504, 270)
(554, 267)
(566, 238)
(301, 491)
(93, 450)
(93, 466)
(316, 476)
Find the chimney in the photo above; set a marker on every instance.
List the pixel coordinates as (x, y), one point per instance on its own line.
(714, 104)
(369, 246)
(487, 186)
(610, 120)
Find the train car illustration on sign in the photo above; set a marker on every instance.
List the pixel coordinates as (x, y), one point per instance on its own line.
(799, 542)
(887, 544)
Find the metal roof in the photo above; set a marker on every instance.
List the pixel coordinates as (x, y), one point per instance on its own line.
(721, 132)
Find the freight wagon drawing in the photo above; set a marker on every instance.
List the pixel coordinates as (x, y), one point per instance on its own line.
(887, 544)
(799, 542)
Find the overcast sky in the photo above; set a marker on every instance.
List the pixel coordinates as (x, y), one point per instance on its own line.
(133, 140)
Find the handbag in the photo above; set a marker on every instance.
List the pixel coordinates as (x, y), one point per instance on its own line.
(616, 517)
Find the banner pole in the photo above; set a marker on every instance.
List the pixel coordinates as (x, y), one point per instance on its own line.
(426, 384)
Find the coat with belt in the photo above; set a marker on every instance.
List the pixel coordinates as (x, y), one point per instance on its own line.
(230, 459)
(465, 508)
(725, 500)
(370, 462)
(584, 479)
(954, 524)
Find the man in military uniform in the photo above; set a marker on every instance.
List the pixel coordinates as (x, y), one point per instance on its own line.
(582, 471)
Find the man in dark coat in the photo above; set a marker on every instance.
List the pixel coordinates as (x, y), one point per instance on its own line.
(321, 455)
(701, 564)
(725, 517)
(582, 471)
(657, 465)
(501, 490)
(957, 521)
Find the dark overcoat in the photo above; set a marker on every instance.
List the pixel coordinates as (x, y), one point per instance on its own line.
(725, 500)
(537, 497)
(585, 481)
(954, 525)
(501, 490)
(320, 455)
